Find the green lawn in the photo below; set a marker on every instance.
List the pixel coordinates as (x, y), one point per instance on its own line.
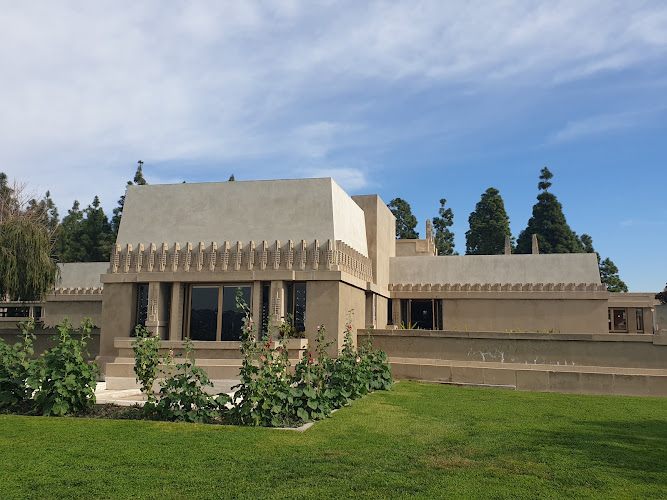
(423, 440)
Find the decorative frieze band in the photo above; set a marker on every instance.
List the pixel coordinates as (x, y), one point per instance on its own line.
(302, 256)
(498, 287)
(93, 290)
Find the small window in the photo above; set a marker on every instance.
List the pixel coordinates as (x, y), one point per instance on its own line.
(142, 304)
(423, 314)
(618, 320)
(640, 320)
(296, 305)
(266, 305)
(390, 312)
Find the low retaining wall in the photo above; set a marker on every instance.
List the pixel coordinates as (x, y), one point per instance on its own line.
(44, 340)
(566, 349)
(634, 365)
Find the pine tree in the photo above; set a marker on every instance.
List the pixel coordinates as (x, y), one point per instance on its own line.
(232, 178)
(98, 234)
(489, 225)
(549, 224)
(608, 270)
(118, 211)
(444, 238)
(405, 221)
(70, 247)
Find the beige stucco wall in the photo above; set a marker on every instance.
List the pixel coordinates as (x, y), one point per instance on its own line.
(118, 318)
(380, 234)
(542, 268)
(75, 310)
(328, 303)
(565, 316)
(81, 274)
(293, 209)
(44, 339)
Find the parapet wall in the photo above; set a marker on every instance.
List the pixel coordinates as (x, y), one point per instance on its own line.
(557, 349)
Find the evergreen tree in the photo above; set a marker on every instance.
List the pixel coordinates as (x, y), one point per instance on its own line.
(27, 270)
(608, 270)
(548, 222)
(232, 178)
(97, 236)
(139, 175)
(405, 221)
(609, 276)
(70, 247)
(118, 211)
(444, 238)
(489, 224)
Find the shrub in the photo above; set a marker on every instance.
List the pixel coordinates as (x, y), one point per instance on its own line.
(182, 396)
(16, 368)
(147, 358)
(64, 382)
(310, 397)
(261, 397)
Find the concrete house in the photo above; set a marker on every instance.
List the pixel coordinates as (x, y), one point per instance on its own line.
(306, 249)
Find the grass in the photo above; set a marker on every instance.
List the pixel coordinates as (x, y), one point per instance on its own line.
(421, 440)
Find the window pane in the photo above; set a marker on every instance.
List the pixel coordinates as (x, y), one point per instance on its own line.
(300, 307)
(142, 305)
(232, 316)
(390, 312)
(204, 312)
(620, 323)
(422, 314)
(640, 320)
(266, 305)
(405, 321)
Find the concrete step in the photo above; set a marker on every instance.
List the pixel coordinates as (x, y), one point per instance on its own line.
(535, 377)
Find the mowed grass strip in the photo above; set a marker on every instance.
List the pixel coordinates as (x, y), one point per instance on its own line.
(420, 440)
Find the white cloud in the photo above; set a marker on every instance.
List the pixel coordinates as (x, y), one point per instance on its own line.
(592, 126)
(89, 88)
(350, 179)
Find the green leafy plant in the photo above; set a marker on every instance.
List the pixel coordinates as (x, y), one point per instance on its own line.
(64, 382)
(408, 326)
(147, 358)
(261, 397)
(16, 368)
(183, 397)
(287, 330)
(310, 396)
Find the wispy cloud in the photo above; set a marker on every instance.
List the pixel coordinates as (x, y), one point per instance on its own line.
(592, 126)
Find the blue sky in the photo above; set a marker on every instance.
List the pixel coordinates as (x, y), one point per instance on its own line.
(418, 100)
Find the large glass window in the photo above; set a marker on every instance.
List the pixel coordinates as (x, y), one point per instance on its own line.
(422, 314)
(204, 312)
(213, 313)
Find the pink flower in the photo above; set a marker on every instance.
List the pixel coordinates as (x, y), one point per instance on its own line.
(280, 349)
(310, 361)
(358, 359)
(263, 358)
(318, 328)
(171, 352)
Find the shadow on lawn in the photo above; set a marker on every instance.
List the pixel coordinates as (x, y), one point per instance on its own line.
(632, 448)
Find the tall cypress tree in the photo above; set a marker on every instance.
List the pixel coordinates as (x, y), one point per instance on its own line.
(444, 238)
(405, 221)
(549, 224)
(489, 224)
